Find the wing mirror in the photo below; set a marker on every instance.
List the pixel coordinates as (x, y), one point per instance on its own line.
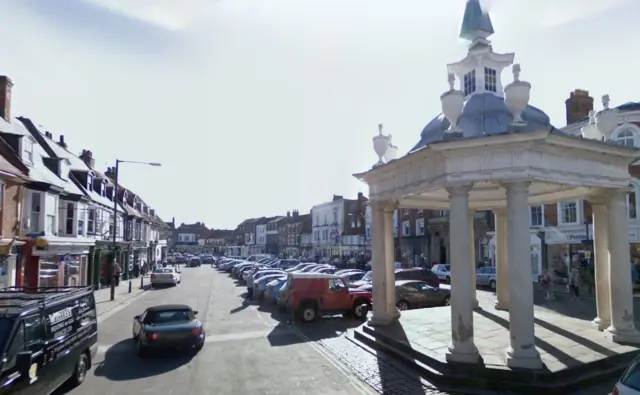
(195, 312)
(137, 318)
(24, 360)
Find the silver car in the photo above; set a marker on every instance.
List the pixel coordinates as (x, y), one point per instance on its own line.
(486, 277)
(165, 276)
(443, 272)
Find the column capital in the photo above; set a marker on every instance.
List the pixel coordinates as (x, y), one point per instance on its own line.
(459, 190)
(384, 205)
(516, 186)
(603, 195)
(499, 211)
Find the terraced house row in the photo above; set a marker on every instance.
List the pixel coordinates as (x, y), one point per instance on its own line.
(57, 222)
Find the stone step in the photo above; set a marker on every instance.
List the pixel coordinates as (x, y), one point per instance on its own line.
(482, 378)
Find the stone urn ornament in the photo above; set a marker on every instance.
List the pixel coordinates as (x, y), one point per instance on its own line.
(516, 96)
(590, 130)
(392, 151)
(606, 119)
(452, 105)
(381, 145)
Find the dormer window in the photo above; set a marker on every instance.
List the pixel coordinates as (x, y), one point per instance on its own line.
(103, 189)
(490, 80)
(89, 182)
(626, 138)
(469, 82)
(28, 150)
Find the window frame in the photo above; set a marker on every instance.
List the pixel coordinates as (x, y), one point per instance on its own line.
(561, 212)
(490, 79)
(35, 227)
(541, 214)
(420, 227)
(469, 82)
(406, 228)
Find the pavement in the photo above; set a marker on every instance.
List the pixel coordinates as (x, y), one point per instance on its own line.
(125, 293)
(250, 349)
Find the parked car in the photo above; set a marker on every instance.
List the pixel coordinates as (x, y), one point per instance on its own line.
(271, 293)
(629, 382)
(486, 277)
(310, 295)
(50, 337)
(443, 272)
(194, 262)
(416, 294)
(260, 285)
(416, 273)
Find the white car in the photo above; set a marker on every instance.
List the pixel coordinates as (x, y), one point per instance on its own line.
(166, 276)
(443, 272)
(629, 383)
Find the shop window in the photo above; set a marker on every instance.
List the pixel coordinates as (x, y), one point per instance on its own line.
(36, 201)
(71, 215)
(537, 216)
(91, 221)
(569, 212)
(420, 227)
(72, 272)
(48, 274)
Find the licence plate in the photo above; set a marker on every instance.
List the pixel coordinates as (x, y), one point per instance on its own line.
(176, 336)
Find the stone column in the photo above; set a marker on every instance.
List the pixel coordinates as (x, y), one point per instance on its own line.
(472, 260)
(502, 262)
(622, 328)
(462, 348)
(378, 264)
(390, 273)
(601, 264)
(522, 351)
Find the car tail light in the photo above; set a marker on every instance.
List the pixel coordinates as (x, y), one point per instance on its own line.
(153, 276)
(614, 391)
(196, 332)
(152, 336)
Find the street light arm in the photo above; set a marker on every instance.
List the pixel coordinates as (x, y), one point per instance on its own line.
(139, 163)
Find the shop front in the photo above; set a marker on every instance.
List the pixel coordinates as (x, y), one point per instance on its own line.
(535, 254)
(9, 258)
(55, 263)
(568, 246)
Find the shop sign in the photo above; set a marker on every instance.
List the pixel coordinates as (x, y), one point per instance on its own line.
(568, 236)
(5, 249)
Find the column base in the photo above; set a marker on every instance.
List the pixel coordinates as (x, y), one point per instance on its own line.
(382, 320)
(600, 324)
(523, 359)
(498, 305)
(475, 304)
(463, 353)
(630, 335)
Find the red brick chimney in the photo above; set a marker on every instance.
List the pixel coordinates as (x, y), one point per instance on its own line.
(578, 106)
(5, 97)
(87, 158)
(61, 142)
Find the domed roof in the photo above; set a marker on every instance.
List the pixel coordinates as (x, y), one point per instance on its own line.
(484, 114)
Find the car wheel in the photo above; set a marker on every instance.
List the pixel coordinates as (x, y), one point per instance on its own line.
(80, 372)
(402, 305)
(360, 310)
(447, 301)
(448, 280)
(492, 284)
(308, 313)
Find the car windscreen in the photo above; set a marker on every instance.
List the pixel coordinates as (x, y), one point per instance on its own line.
(447, 267)
(169, 271)
(177, 316)
(367, 277)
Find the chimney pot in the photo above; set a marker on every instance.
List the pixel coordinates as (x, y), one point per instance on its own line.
(61, 142)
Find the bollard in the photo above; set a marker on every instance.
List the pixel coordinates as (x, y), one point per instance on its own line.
(129, 286)
(141, 282)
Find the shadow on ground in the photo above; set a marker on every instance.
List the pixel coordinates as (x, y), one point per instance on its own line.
(120, 362)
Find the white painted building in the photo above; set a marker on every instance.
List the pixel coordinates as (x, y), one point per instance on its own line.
(491, 150)
(327, 224)
(261, 236)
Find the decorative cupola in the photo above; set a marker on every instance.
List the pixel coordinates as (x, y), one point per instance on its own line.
(481, 69)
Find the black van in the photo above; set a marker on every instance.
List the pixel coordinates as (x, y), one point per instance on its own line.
(47, 336)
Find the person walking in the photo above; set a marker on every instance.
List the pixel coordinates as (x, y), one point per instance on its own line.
(574, 284)
(116, 274)
(546, 282)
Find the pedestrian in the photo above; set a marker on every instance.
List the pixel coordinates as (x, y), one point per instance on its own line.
(574, 284)
(546, 282)
(116, 274)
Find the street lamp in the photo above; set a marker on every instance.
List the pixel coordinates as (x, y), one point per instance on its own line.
(115, 217)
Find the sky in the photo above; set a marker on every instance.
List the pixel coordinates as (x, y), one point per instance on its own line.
(259, 107)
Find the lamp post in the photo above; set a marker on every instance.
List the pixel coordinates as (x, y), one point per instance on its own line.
(115, 218)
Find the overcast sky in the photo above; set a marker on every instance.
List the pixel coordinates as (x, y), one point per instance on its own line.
(256, 107)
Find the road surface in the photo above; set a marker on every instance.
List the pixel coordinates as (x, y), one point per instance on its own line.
(247, 351)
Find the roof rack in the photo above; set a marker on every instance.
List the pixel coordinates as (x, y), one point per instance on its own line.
(21, 297)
